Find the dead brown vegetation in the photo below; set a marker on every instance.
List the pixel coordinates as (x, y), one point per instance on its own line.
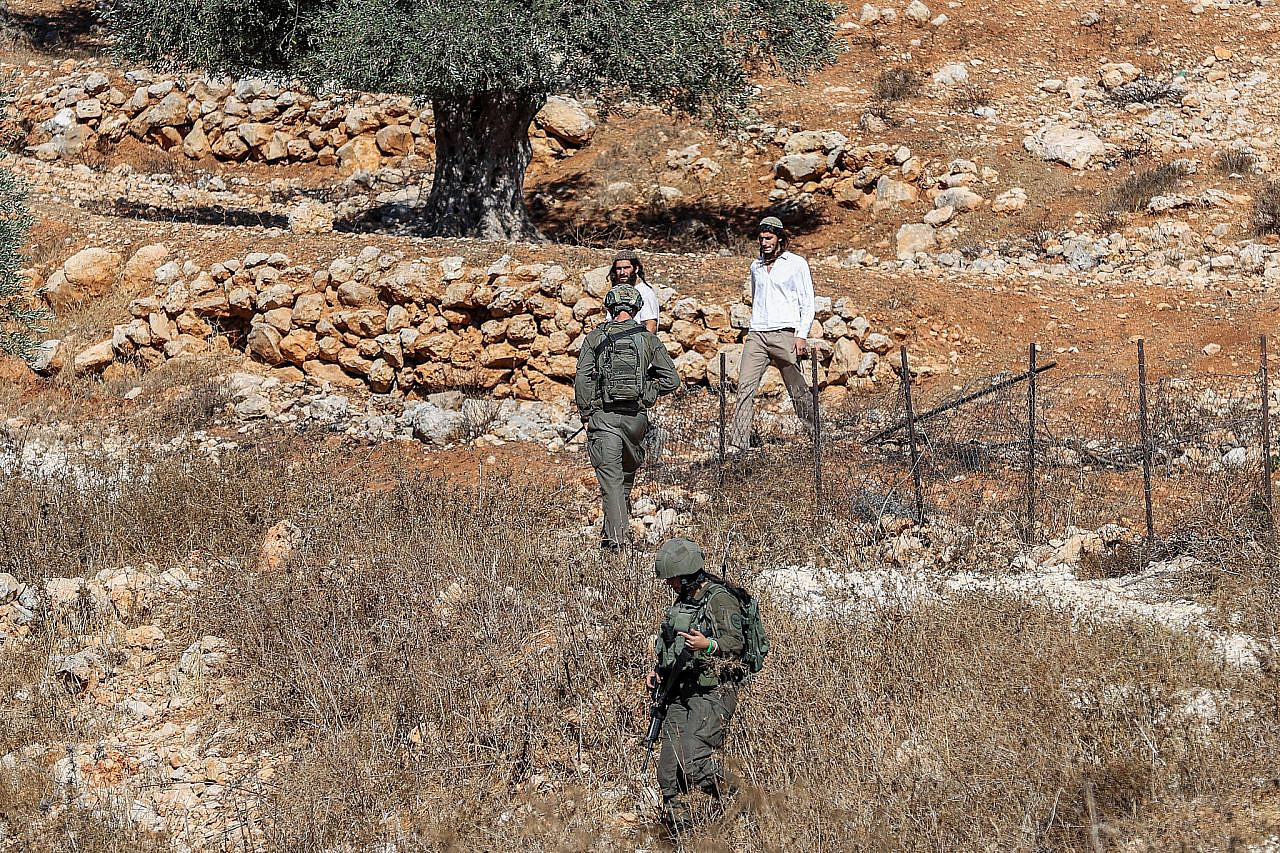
(447, 670)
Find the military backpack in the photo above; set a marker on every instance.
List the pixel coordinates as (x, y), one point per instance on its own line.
(755, 642)
(622, 364)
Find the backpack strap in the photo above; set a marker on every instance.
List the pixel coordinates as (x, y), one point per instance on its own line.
(716, 588)
(609, 340)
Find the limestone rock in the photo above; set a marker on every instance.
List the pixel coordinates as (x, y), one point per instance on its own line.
(89, 273)
(878, 343)
(939, 216)
(47, 359)
(359, 155)
(810, 141)
(1073, 146)
(79, 672)
(263, 343)
(915, 238)
(917, 13)
(139, 270)
(798, 168)
(566, 120)
(958, 198)
(299, 346)
(281, 541)
(94, 359)
(891, 193)
(330, 374)
(196, 143)
(952, 74)
(311, 217)
(1010, 201)
(170, 112)
(434, 425)
(394, 140)
(1115, 74)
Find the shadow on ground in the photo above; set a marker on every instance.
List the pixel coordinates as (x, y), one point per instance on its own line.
(72, 28)
(676, 225)
(201, 215)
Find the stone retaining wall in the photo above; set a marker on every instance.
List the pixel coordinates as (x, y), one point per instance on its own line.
(398, 323)
(253, 119)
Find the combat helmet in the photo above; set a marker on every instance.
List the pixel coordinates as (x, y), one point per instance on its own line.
(623, 297)
(678, 558)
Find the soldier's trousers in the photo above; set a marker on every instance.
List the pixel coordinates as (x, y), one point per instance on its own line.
(614, 445)
(694, 729)
(759, 350)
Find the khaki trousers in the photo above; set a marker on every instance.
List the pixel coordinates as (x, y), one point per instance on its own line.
(615, 445)
(758, 351)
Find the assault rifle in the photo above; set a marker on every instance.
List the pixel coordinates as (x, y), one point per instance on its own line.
(661, 699)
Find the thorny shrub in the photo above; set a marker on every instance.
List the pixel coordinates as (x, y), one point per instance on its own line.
(896, 84)
(1134, 193)
(968, 97)
(1265, 216)
(1235, 161)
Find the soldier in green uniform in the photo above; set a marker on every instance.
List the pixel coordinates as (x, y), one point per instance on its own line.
(622, 368)
(703, 637)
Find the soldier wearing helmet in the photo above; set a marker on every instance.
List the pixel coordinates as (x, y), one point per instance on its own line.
(703, 636)
(782, 309)
(627, 269)
(622, 368)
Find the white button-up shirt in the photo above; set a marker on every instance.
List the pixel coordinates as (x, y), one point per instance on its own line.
(782, 296)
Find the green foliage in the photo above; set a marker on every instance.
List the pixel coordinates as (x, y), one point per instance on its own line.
(688, 55)
(19, 322)
(10, 31)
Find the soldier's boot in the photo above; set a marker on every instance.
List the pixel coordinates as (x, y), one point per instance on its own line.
(676, 816)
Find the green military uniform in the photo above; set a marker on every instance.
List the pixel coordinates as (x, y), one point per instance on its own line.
(706, 694)
(615, 432)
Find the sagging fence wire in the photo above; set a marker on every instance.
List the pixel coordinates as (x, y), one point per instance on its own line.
(1024, 454)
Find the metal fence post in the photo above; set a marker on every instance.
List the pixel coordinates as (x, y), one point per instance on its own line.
(1144, 427)
(720, 455)
(1266, 433)
(1030, 531)
(817, 435)
(911, 432)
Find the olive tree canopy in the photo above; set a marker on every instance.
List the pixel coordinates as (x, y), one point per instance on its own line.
(487, 66)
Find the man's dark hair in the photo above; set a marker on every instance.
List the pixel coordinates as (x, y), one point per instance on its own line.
(784, 241)
(625, 255)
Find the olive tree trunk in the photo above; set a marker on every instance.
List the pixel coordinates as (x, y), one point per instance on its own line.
(482, 152)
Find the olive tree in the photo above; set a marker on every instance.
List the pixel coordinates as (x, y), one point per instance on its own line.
(487, 66)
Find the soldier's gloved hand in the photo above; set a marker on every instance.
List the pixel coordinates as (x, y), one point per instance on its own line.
(651, 680)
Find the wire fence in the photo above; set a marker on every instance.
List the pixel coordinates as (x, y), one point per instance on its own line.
(1185, 461)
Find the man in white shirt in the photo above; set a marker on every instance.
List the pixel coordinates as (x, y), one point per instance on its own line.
(781, 314)
(627, 270)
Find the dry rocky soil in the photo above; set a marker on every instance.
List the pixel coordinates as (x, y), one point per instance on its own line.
(969, 178)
